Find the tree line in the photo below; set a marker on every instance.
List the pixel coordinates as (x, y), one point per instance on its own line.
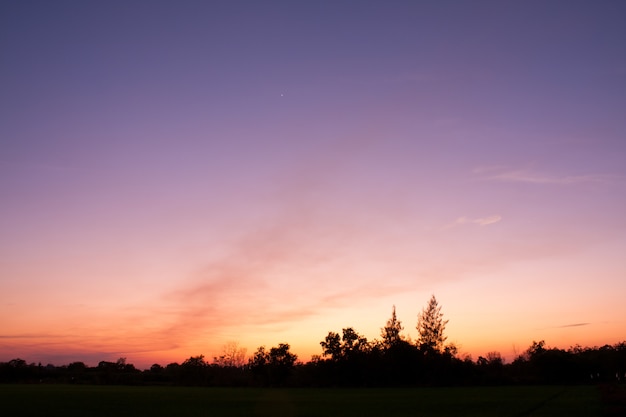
(349, 359)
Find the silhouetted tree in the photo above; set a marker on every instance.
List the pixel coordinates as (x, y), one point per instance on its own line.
(353, 343)
(494, 358)
(490, 368)
(77, 367)
(273, 366)
(232, 356)
(17, 370)
(195, 362)
(281, 356)
(391, 332)
(118, 372)
(156, 375)
(331, 346)
(345, 346)
(349, 358)
(259, 358)
(76, 372)
(17, 363)
(402, 363)
(430, 327)
(536, 349)
(194, 371)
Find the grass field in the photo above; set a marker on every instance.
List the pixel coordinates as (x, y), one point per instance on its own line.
(72, 400)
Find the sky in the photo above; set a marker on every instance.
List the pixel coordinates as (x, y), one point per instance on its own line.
(178, 175)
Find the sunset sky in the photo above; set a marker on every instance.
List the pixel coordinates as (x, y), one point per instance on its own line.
(178, 175)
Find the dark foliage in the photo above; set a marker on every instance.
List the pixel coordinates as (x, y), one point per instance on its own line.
(349, 359)
(354, 362)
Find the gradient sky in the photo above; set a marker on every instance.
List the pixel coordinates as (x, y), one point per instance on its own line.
(178, 175)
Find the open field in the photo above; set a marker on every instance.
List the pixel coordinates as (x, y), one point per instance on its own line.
(72, 400)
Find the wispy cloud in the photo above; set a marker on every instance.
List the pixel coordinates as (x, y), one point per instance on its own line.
(273, 275)
(481, 221)
(564, 326)
(487, 220)
(530, 176)
(572, 325)
(31, 336)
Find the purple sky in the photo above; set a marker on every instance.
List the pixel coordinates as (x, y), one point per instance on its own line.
(177, 175)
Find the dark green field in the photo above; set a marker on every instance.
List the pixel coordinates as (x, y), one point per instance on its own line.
(72, 400)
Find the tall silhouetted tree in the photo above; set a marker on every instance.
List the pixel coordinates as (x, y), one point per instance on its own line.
(391, 332)
(430, 327)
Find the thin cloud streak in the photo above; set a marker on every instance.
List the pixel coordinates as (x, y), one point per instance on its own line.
(31, 336)
(565, 326)
(573, 325)
(481, 221)
(500, 174)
